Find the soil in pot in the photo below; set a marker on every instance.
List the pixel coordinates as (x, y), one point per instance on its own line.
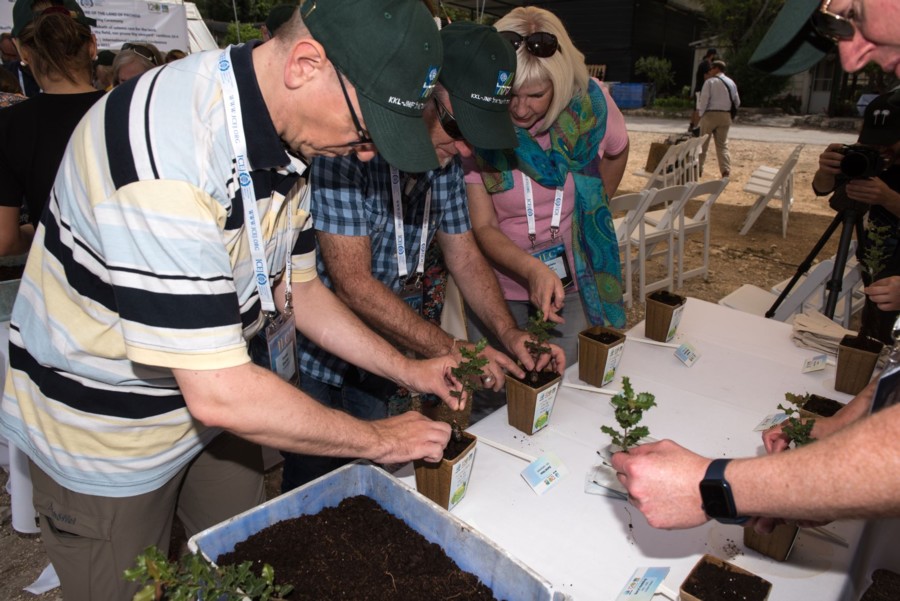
(719, 581)
(455, 447)
(885, 586)
(822, 406)
(602, 337)
(537, 379)
(667, 298)
(356, 550)
(863, 343)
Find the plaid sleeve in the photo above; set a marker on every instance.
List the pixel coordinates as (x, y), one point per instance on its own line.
(450, 184)
(338, 192)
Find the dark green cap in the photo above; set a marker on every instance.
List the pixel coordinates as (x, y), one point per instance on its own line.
(278, 16)
(23, 14)
(791, 45)
(390, 50)
(478, 72)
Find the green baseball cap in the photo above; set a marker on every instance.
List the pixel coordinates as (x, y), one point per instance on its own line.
(23, 13)
(791, 45)
(478, 72)
(390, 50)
(278, 16)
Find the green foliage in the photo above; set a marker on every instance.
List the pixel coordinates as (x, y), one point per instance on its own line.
(539, 331)
(657, 69)
(674, 102)
(192, 578)
(875, 253)
(797, 430)
(469, 370)
(629, 412)
(248, 32)
(250, 11)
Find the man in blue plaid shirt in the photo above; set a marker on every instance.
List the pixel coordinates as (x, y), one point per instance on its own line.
(360, 207)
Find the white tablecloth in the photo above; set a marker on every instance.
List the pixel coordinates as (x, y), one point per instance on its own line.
(587, 545)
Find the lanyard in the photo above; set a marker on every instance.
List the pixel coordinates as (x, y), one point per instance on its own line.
(399, 235)
(251, 212)
(529, 210)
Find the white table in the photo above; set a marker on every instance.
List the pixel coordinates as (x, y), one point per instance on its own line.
(587, 545)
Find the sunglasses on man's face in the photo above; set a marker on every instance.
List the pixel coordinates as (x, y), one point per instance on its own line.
(448, 122)
(834, 27)
(142, 51)
(363, 135)
(540, 43)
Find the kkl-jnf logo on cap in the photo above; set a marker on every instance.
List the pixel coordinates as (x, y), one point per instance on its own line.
(504, 83)
(430, 80)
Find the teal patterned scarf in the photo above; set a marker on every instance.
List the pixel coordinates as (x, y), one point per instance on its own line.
(574, 140)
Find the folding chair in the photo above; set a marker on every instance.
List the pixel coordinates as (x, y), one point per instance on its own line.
(634, 206)
(772, 183)
(700, 222)
(691, 168)
(753, 299)
(669, 171)
(649, 235)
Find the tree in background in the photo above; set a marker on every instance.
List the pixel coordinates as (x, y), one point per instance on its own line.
(740, 25)
(656, 69)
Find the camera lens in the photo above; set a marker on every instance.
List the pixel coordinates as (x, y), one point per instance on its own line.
(855, 164)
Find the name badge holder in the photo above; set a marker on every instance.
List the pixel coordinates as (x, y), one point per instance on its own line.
(411, 292)
(280, 331)
(553, 252)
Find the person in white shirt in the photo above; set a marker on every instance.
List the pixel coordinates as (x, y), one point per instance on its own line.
(718, 98)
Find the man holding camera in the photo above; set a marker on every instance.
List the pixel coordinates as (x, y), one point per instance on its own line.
(869, 173)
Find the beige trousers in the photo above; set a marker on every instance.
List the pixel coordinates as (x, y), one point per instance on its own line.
(716, 123)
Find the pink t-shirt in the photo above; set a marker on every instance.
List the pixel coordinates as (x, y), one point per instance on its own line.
(509, 205)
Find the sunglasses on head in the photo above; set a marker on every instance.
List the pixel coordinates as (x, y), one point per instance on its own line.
(834, 27)
(448, 122)
(142, 51)
(540, 43)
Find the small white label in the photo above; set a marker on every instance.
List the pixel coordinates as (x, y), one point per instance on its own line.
(687, 354)
(643, 584)
(544, 472)
(673, 324)
(543, 406)
(612, 363)
(459, 479)
(814, 363)
(770, 421)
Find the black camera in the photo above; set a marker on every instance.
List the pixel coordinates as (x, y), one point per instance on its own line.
(861, 161)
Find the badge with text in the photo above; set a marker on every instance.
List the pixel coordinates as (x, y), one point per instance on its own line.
(816, 363)
(411, 293)
(687, 354)
(555, 257)
(544, 472)
(281, 339)
(643, 584)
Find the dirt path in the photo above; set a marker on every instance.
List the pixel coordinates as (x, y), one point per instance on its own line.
(762, 257)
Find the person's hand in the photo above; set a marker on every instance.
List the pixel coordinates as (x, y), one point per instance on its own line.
(498, 364)
(663, 482)
(546, 292)
(515, 340)
(885, 293)
(434, 376)
(830, 160)
(409, 436)
(872, 191)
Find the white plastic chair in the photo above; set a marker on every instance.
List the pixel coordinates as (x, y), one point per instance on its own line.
(650, 235)
(634, 205)
(699, 222)
(772, 183)
(669, 171)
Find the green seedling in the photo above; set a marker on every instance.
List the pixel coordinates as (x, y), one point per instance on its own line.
(629, 412)
(797, 430)
(469, 370)
(539, 333)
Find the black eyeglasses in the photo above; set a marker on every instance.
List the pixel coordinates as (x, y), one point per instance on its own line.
(142, 51)
(540, 43)
(834, 27)
(448, 122)
(363, 135)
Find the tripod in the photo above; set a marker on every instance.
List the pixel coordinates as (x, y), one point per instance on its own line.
(849, 215)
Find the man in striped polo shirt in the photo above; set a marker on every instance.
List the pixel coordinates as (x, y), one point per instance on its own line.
(177, 209)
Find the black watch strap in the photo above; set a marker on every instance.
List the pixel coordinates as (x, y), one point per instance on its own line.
(715, 491)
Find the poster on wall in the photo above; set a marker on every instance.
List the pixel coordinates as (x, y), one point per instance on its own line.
(118, 21)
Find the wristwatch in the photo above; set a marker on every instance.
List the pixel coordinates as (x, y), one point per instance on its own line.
(718, 502)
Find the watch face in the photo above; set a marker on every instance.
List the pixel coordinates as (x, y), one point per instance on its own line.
(716, 501)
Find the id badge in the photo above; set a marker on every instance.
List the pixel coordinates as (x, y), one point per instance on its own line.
(411, 293)
(281, 338)
(554, 256)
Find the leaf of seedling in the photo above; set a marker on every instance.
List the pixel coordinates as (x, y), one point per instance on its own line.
(469, 370)
(629, 410)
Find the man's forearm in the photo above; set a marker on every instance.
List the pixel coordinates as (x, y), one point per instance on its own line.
(854, 473)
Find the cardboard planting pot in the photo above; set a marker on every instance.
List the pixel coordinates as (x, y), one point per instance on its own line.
(697, 576)
(447, 481)
(856, 360)
(777, 544)
(529, 408)
(664, 311)
(597, 361)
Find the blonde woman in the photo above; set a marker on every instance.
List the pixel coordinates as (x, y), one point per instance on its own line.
(540, 212)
